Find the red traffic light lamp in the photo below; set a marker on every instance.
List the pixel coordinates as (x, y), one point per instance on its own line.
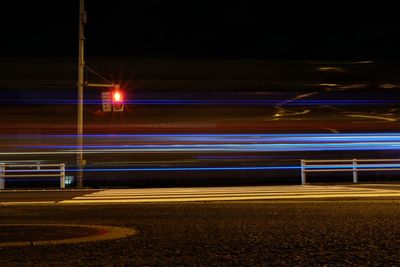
(117, 99)
(117, 96)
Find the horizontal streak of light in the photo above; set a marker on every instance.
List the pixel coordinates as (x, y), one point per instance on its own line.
(310, 135)
(372, 117)
(206, 102)
(236, 157)
(364, 147)
(213, 142)
(212, 138)
(215, 138)
(226, 147)
(209, 142)
(247, 168)
(253, 168)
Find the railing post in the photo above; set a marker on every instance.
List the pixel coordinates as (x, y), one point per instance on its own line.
(2, 175)
(355, 178)
(303, 172)
(62, 175)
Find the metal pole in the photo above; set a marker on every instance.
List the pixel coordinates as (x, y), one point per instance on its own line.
(81, 66)
(303, 172)
(2, 174)
(355, 178)
(62, 175)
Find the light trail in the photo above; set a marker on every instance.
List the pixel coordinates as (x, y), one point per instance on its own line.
(227, 147)
(208, 137)
(254, 168)
(179, 144)
(373, 117)
(154, 143)
(296, 102)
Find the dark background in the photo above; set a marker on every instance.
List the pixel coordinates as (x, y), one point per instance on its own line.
(198, 50)
(203, 29)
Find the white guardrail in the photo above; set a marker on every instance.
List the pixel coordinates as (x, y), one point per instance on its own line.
(348, 165)
(17, 170)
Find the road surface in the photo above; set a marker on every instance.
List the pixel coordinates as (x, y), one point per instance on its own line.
(346, 232)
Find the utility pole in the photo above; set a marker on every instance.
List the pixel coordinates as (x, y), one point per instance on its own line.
(81, 84)
(81, 68)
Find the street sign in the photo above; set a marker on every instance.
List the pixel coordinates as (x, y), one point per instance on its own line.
(106, 101)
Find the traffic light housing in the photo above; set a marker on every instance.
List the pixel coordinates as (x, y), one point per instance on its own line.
(117, 100)
(112, 100)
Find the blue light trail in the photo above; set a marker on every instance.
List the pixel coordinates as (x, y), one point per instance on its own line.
(142, 143)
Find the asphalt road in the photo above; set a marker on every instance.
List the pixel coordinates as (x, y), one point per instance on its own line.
(40, 196)
(250, 233)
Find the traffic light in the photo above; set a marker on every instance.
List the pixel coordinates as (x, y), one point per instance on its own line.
(112, 100)
(117, 100)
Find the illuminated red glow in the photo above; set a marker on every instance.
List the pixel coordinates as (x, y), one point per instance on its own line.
(117, 96)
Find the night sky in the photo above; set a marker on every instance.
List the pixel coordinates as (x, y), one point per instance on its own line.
(202, 29)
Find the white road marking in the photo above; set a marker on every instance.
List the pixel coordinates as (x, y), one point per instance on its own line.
(229, 193)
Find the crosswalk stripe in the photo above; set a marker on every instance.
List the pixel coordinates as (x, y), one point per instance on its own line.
(227, 193)
(183, 191)
(221, 198)
(108, 196)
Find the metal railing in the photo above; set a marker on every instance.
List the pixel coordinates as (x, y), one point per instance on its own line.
(348, 165)
(17, 170)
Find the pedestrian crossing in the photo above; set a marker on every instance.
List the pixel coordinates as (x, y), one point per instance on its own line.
(233, 193)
